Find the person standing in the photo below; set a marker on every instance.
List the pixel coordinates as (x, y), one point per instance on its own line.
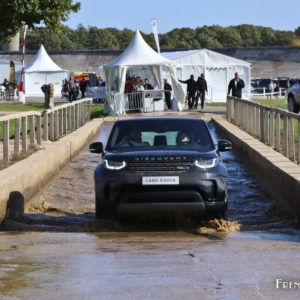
(191, 90)
(201, 90)
(270, 89)
(147, 85)
(83, 86)
(71, 88)
(236, 85)
(167, 90)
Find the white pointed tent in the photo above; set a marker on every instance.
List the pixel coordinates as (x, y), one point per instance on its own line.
(42, 70)
(219, 69)
(138, 53)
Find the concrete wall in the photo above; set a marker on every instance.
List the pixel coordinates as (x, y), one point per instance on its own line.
(266, 61)
(26, 178)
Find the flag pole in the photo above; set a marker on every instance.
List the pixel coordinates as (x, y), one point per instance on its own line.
(21, 87)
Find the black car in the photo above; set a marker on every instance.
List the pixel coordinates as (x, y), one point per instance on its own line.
(160, 166)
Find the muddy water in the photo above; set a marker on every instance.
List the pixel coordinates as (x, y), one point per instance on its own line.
(40, 260)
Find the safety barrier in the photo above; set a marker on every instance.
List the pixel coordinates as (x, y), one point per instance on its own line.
(34, 127)
(144, 101)
(275, 127)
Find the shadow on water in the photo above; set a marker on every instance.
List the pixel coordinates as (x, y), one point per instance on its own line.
(67, 205)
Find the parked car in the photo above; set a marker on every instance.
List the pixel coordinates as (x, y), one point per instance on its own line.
(293, 98)
(160, 166)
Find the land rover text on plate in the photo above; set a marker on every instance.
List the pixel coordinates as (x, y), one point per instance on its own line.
(160, 166)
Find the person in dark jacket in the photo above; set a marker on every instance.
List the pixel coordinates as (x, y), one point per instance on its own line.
(236, 85)
(201, 90)
(147, 85)
(191, 90)
(167, 90)
(83, 86)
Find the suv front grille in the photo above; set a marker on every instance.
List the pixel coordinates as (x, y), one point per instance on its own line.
(148, 166)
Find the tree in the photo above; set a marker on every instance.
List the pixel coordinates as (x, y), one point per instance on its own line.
(14, 13)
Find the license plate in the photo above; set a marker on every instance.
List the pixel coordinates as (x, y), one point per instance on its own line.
(160, 180)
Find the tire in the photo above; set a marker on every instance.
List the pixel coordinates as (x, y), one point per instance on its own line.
(292, 107)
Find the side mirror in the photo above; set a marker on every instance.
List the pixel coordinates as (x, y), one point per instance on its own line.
(224, 145)
(96, 147)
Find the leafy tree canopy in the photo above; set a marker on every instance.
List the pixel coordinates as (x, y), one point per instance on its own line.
(14, 13)
(201, 37)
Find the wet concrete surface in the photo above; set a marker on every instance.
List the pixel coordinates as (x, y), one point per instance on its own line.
(59, 251)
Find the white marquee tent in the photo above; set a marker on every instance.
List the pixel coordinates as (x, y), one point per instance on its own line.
(219, 69)
(137, 54)
(42, 70)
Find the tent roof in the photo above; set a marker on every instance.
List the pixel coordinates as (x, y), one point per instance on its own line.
(138, 53)
(42, 63)
(204, 57)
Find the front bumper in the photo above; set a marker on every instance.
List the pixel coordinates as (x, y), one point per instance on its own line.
(197, 192)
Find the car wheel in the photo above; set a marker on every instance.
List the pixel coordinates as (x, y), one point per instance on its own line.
(292, 107)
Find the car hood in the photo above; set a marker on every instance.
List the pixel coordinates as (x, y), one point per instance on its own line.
(160, 155)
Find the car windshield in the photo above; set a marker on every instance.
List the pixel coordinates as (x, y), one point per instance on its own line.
(164, 134)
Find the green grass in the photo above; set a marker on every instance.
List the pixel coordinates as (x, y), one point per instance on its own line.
(97, 112)
(19, 107)
(280, 103)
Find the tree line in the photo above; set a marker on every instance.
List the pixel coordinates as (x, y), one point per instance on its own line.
(65, 38)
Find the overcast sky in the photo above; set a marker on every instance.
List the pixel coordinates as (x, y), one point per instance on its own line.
(170, 14)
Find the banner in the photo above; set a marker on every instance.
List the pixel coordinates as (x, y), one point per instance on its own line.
(155, 32)
(12, 72)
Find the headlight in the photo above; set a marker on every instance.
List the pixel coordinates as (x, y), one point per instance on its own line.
(206, 163)
(114, 165)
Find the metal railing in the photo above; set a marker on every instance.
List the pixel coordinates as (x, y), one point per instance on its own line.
(274, 127)
(31, 128)
(144, 101)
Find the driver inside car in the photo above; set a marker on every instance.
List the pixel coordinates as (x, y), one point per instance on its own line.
(182, 138)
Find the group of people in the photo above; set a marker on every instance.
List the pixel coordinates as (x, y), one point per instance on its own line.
(136, 84)
(7, 86)
(273, 89)
(72, 87)
(195, 90)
